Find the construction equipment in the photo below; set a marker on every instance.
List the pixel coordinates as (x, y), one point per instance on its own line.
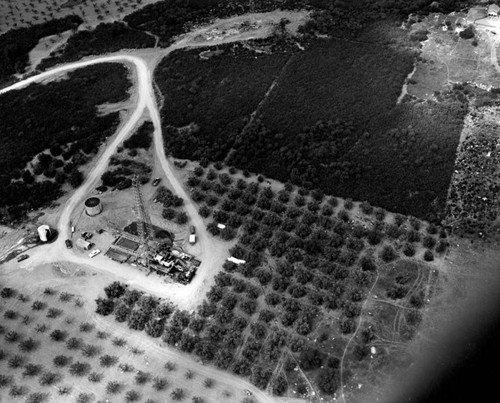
(144, 227)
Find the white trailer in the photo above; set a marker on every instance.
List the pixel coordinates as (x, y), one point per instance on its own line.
(192, 239)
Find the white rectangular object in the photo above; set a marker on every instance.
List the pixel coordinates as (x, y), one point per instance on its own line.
(95, 252)
(235, 260)
(192, 239)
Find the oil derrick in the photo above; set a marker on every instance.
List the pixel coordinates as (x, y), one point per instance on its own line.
(144, 227)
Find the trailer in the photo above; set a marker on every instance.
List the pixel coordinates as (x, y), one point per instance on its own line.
(83, 244)
(192, 239)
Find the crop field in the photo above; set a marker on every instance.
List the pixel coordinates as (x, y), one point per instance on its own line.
(55, 349)
(216, 95)
(26, 13)
(58, 118)
(311, 263)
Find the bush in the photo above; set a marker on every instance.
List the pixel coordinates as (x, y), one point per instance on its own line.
(79, 368)
(61, 360)
(113, 387)
(388, 254)
(428, 256)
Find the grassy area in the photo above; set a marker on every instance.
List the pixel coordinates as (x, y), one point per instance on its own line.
(62, 117)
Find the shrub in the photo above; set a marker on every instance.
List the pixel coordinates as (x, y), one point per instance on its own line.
(108, 360)
(10, 314)
(388, 254)
(95, 377)
(428, 256)
(32, 370)
(89, 350)
(38, 305)
(132, 396)
(17, 361)
(142, 377)
(12, 336)
(18, 390)
(113, 387)
(79, 368)
(160, 383)
(28, 345)
(5, 380)
(177, 394)
(84, 398)
(62, 360)
(54, 313)
(409, 249)
(49, 378)
(7, 292)
(74, 343)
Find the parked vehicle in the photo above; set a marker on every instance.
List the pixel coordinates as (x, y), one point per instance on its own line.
(192, 229)
(68, 243)
(156, 181)
(20, 258)
(95, 252)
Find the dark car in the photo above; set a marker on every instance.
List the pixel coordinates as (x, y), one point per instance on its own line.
(20, 258)
(68, 243)
(156, 181)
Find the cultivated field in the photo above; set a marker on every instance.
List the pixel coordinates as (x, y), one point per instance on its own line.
(54, 345)
(93, 12)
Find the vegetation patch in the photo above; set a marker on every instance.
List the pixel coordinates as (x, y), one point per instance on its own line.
(61, 117)
(16, 44)
(310, 263)
(105, 38)
(208, 102)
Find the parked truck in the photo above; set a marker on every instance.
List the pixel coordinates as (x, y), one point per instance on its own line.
(192, 235)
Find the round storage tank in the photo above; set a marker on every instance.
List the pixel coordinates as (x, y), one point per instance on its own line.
(93, 206)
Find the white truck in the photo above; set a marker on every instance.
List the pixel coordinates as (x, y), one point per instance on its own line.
(192, 235)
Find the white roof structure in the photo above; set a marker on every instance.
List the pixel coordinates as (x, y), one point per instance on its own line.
(235, 260)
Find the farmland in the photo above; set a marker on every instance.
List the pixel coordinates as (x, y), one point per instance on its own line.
(56, 118)
(55, 349)
(311, 262)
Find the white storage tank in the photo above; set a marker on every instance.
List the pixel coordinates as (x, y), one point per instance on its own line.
(44, 232)
(93, 206)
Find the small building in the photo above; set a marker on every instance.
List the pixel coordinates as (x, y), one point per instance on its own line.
(83, 244)
(221, 226)
(93, 206)
(493, 10)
